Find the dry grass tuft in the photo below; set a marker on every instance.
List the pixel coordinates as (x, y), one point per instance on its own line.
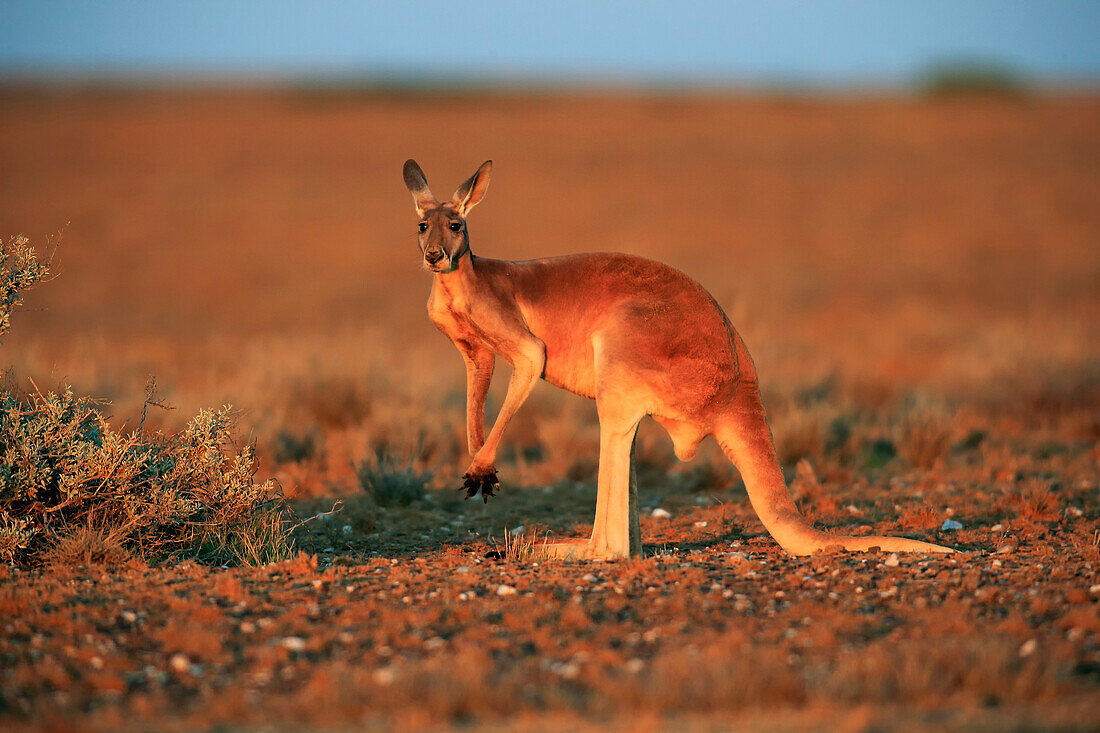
(814, 503)
(87, 546)
(391, 481)
(923, 436)
(798, 434)
(1035, 502)
(521, 547)
(920, 516)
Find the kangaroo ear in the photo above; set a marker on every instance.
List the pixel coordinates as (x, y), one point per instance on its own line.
(472, 191)
(417, 184)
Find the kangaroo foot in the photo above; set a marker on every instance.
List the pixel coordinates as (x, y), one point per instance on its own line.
(578, 550)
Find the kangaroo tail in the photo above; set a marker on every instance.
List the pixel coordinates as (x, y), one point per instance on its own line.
(747, 440)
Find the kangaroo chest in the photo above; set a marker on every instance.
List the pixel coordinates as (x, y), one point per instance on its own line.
(450, 310)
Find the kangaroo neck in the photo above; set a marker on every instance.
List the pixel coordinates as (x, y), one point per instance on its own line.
(461, 279)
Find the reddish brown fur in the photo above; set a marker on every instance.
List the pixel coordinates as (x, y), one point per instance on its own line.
(639, 337)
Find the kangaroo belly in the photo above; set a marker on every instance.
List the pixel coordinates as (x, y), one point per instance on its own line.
(569, 366)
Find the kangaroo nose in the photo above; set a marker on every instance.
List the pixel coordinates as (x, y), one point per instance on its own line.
(433, 256)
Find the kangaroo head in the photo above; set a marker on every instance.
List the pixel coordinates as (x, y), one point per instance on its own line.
(442, 236)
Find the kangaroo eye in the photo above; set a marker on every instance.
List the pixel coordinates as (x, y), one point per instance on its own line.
(423, 226)
(456, 226)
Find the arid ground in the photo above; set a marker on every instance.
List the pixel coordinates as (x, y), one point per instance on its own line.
(915, 277)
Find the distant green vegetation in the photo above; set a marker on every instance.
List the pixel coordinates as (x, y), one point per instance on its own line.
(970, 77)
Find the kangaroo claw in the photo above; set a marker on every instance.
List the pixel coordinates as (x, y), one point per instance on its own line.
(484, 483)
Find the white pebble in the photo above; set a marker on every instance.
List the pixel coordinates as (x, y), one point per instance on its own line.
(293, 643)
(505, 590)
(891, 560)
(660, 513)
(950, 524)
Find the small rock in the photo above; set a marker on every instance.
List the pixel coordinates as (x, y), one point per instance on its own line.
(293, 643)
(891, 560)
(1006, 549)
(505, 590)
(588, 578)
(635, 665)
(179, 663)
(950, 524)
(462, 569)
(518, 530)
(996, 528)
(1095, 589)
(660, 513)
(700, 525)
(384, 676)
(1028, 647)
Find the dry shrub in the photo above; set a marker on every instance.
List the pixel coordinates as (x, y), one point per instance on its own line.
(72, 487)
(189, 494)
(920, 516)
(291, 447)
(330, 402)
(924, 436)
(20, 269)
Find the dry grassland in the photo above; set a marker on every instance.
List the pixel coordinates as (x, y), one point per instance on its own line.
(916, 279)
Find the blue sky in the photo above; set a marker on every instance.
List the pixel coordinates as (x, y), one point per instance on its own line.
(806, 41)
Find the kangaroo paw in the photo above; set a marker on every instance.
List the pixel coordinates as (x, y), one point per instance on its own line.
(486, 483)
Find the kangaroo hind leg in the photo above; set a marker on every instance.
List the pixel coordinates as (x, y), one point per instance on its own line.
(615, 531)
(620, 404)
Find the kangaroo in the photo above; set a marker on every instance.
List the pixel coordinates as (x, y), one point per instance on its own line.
(639, 337)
